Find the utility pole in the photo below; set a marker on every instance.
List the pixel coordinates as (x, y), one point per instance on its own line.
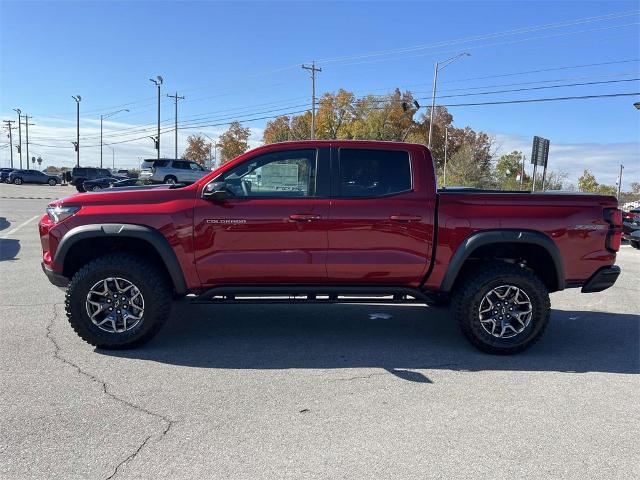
(158, 81)
(176, 98)
(313, 71)
(446, 141)
(524, 158)
(620, 182)
(102, 117)
(19, 146)
(9, 127)
(26, 124)
(78, 99)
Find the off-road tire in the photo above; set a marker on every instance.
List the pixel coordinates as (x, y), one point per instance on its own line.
(477, 283)
(170, 179)
(151, 282)
(80, 188)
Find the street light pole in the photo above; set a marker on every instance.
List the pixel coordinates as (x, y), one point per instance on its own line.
(102, 117)
(78, 99)
(439, 66)
(158, 81)
(26, 125)
(19, 134)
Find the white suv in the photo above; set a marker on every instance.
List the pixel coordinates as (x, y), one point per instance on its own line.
(171, 171)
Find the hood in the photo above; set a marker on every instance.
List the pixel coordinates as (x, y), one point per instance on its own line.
(150, 194)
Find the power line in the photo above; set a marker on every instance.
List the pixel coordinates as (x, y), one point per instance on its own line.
(531, 88)
(510, 74)
(497, 44)
(531, 100)
(579, 21)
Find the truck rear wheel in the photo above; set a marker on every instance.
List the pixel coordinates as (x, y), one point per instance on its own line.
(118, 301)
(502, 308)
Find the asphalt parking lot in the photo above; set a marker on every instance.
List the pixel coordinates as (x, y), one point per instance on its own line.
(304, 391)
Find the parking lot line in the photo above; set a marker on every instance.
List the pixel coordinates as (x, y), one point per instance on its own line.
(23, 224)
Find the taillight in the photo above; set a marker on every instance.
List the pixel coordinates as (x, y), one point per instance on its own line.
(613, 217)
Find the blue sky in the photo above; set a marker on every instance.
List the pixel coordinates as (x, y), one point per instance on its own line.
(241, 60)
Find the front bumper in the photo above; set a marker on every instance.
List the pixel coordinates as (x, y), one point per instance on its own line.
(55, 278)
(604, 278)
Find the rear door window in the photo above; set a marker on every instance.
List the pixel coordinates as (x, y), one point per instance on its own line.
(181, 165)
(372, 173)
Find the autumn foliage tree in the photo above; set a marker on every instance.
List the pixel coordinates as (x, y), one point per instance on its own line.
(198, 150)
(277, 130)
(588, 183)
(233, 142)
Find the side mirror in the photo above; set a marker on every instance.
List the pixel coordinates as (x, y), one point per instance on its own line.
(215, 191)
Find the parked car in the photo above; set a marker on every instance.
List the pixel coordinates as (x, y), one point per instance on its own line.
(327, 221)
(18, 177)
(129, 182)
(99, 183)
(4, 174)
(634, 239)
(171, 171)
(80, 174)
(631, 221)
(124, 173)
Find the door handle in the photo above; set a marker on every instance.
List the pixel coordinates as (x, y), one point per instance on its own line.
(405, 218)
(303, 217)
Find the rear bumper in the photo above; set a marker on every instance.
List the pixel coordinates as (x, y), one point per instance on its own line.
(604, 278)
(55, 278)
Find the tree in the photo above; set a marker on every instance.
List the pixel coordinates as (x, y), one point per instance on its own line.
(587, 182)
(463, 169)
(384, 118)
(198, 150)
(507, 171)
(335, 114)
(301, 126)
(553, 181)
(277, 130)
(233, 142)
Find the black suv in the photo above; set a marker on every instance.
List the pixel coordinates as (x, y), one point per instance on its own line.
(80, 174)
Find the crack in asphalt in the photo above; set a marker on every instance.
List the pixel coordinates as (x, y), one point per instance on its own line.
(105, 389)
(361, 377)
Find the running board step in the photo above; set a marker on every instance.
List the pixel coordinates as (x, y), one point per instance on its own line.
(311, 294)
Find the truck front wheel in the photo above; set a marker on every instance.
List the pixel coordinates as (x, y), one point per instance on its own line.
(118, 301)
(501, 308)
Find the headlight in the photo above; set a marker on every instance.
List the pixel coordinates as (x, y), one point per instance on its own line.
(58, 214)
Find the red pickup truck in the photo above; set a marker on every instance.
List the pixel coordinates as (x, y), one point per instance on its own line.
(326, 221)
